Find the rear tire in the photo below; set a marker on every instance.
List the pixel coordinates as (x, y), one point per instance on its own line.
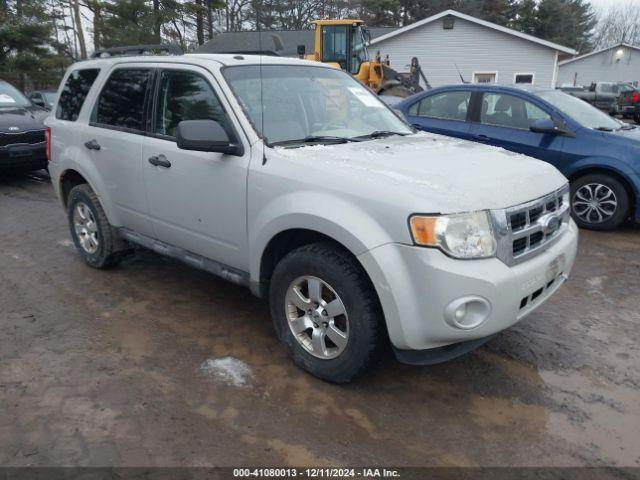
(94, 237)
(599, 202)
(352, 323)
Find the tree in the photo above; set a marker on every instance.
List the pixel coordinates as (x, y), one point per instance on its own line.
(127, 22)
(567, 22)
(79, 31)
(620, 23)
(526, 18)
(27, 44)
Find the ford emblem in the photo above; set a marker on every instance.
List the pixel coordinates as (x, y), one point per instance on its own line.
(550, 223)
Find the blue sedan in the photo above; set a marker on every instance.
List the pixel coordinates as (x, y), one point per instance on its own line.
(598, 154)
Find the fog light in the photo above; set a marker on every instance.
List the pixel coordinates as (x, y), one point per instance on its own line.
(467, 312)
(460, 312)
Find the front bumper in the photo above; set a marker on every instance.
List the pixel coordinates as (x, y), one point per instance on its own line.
(417, 285)
(23, 157)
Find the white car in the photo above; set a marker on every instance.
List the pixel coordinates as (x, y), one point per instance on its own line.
(293, 179)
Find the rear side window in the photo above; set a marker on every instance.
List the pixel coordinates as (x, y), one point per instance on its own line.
(121, 102)
(446, 106)
(74, 93)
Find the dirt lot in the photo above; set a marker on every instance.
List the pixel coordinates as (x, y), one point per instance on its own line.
(123, 368)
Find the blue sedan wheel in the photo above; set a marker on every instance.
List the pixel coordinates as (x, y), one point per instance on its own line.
(599, 202)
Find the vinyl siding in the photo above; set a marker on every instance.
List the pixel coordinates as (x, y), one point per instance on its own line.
(474, 48)
(602, 67)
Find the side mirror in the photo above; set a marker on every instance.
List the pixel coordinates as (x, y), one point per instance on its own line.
(301, 51)
(545, 125)
(592, 87)
(38, 101)
(206, 136)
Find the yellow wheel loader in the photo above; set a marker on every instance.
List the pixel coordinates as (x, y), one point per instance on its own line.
(343, 43)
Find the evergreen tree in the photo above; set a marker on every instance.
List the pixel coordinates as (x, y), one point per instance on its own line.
(567, 22)
(526, 18)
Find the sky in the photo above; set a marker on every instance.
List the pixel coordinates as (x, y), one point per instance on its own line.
(603, 4)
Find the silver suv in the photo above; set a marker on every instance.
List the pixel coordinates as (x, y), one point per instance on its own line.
(293, 179)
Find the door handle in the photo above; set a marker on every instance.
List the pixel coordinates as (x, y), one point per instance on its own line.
(92, 144)
(482, 138)
(160, 161)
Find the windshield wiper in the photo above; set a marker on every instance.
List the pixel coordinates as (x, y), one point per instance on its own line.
(381, 134)
(317, 139)
(604, 129)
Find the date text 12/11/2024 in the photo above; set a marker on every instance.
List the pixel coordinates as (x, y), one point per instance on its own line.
(316, 473)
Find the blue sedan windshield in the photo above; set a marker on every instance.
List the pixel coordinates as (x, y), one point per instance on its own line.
(580, 111)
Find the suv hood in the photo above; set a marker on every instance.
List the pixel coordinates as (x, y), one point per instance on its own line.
(432, 173)
(24, 118)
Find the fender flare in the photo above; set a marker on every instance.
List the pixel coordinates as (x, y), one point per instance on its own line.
(338, 219)
(615, 166)
(90, 174)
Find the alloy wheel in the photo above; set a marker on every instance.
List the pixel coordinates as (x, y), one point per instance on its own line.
(594, 203)
(86, 228)
(317, 317)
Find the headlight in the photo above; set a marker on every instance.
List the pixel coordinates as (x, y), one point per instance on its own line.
(465, 235)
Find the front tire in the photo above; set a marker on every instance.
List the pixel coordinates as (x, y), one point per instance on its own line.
(94, 237)
(325, 310)
(636, 118)
(599, 202)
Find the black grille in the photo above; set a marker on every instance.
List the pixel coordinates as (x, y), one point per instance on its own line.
(525, 222)
(535, 295)
(535, 239)
(535, 214)
(35, 136)
(519, 245)
(518, 221)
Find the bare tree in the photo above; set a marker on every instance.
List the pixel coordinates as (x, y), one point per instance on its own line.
(620, 23)
(77, 23)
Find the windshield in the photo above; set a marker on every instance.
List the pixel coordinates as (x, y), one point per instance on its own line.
(11, 97)
(580, 111)
(305, 103)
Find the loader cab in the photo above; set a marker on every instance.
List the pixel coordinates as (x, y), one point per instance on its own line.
(343, 42)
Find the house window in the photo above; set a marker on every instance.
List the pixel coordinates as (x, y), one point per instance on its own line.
(524, 78)
(487, 77)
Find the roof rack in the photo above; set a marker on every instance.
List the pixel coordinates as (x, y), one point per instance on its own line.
(137, 50)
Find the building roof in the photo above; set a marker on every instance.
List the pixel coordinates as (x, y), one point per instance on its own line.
(279, 42)
(620, 45)
(484, 23)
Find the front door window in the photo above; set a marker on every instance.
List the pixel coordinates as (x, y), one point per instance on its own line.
(504, 110)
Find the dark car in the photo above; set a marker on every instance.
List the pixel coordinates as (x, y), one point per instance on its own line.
(43, 98)
(602, 95)
(629, 104)
(22, 132)
(598, 154)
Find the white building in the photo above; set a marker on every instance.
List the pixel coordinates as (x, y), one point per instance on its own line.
(620, 63)
(451, 44)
